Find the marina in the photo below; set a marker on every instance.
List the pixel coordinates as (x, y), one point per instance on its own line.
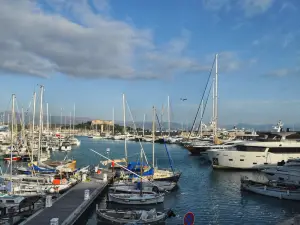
(149, 112)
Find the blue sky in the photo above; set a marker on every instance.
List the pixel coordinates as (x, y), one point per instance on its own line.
(89, 52)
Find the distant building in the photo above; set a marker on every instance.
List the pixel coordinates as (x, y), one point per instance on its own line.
(105, 125)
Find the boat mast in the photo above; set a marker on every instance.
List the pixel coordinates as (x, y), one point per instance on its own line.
(47, 118)
(124, 124)
(41, 123)
(113, 128)
(23, 125)
(61, 109)
(201, 111)
(12, 138)
(144, 125)
(213, 109)
(153, 137)
(216, 100)
(169, 118)
(74, 120)
(33, 118)
(70, 124)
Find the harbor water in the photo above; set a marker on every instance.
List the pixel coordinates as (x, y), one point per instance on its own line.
(213, 196)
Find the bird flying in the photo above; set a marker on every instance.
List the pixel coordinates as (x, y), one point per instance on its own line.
(183, 99)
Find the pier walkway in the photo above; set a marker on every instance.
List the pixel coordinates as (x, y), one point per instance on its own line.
(71, 205)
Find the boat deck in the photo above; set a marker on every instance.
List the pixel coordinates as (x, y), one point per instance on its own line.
(71, 205)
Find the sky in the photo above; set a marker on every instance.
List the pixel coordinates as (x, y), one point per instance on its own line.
(90, 52)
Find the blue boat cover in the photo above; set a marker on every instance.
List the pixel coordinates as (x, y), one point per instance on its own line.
(43, 170)
(135, 166)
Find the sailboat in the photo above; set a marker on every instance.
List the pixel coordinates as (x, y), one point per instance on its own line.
(72, 139)
(159, 174)
(141, 198)
(18, 188)
(199, 147)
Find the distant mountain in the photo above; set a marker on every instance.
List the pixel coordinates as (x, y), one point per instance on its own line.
(52, 120)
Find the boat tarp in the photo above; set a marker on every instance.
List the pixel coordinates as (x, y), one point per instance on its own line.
(41, 169)
(148, 172)
(134, 166)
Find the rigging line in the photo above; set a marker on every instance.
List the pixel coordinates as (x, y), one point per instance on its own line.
(165, 144)
(135, 131)
(212, 83)
(199, 106)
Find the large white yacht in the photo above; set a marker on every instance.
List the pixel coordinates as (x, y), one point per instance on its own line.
(276, 148)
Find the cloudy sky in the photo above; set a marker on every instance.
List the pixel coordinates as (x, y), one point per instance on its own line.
(89, 52)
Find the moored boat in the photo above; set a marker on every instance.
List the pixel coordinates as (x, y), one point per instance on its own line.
(133, 216)
(272, 189)
(136, 199)
(14, 157)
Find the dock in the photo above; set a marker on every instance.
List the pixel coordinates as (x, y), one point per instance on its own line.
(71, 205)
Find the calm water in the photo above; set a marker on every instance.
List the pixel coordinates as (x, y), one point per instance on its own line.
(213, 196)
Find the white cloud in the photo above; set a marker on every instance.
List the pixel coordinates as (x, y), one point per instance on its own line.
(37, 43)
(288, 38)
(231, 61)
(287, 6)
(250, 8)
(284, 72)
(254, 7)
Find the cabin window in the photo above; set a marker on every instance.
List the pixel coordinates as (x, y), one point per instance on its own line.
(245, 148)
(279, 150)
(10, 201)
(254, 163)
(281, 179)
(293, 136)
(230, 159)
(241, 159)
(258, 156)
(266, 163)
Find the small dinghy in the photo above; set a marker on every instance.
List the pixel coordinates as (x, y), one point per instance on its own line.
(273, 189)
(133, 216)
(136, 199)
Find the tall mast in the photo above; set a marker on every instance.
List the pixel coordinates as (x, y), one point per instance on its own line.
(74, 121)
(216, 97)
(12, 137)
(201, 111)
(41, 123)
(61, 109)
(153, 137)
(47, 118)
(33, 118)
(169, 118)
(70, 124)
(113, 121)
(23, 125)
(124, 120)
(144, 125)
(213, 109)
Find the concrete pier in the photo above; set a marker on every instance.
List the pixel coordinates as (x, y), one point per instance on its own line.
(67, 209)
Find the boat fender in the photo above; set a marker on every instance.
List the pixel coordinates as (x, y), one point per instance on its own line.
(155, 189)
(288, 192)
(265, 187)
